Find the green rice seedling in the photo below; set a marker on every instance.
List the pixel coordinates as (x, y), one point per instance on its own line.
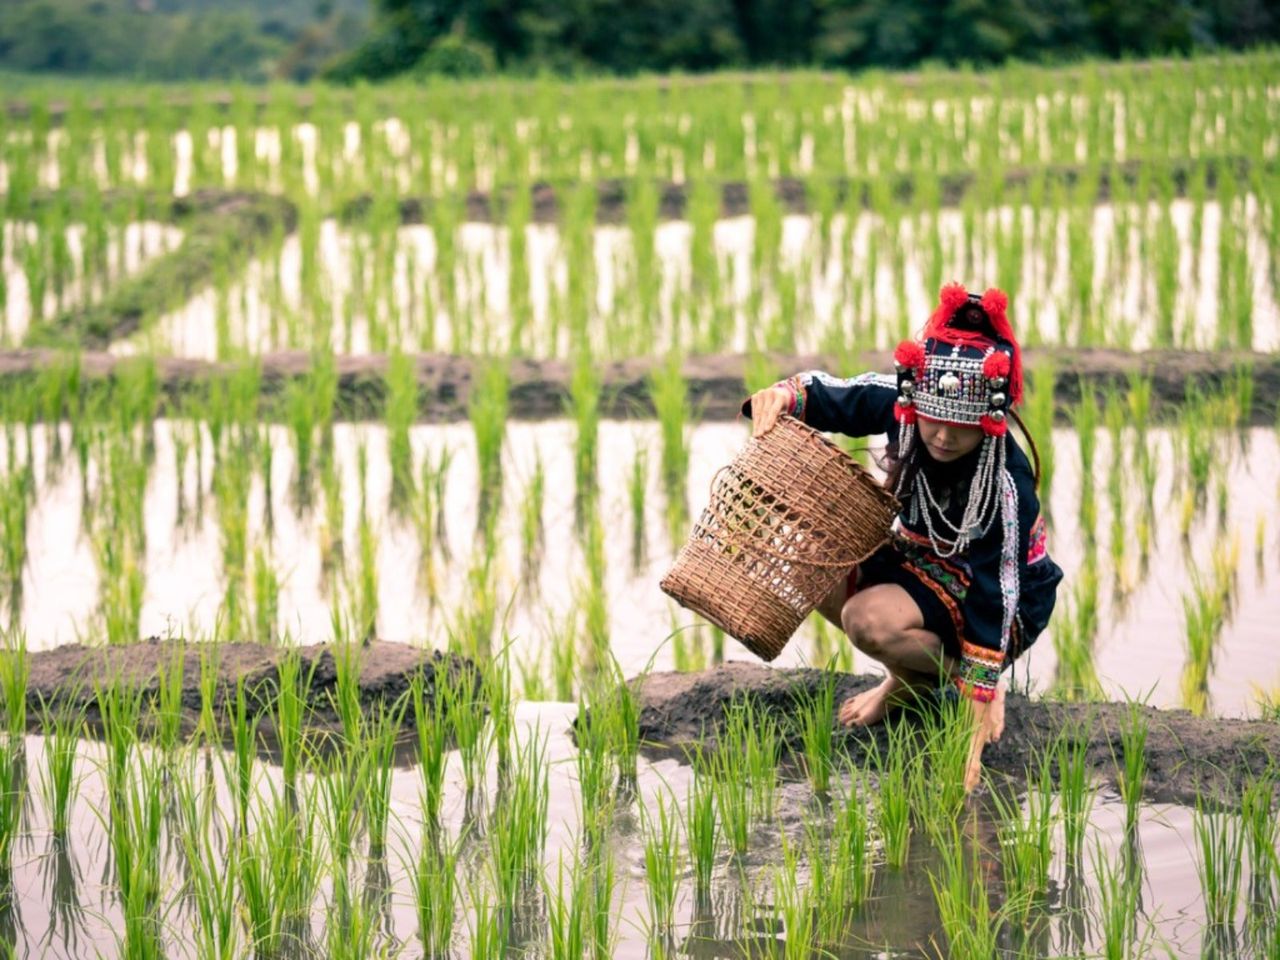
(1084, 417)
(12, 802)
(1204, 616)
(63, 729)
(817, 733)
(134, 830)
(621, 714)
(532, 534)
(568, 929)
(1262, 838)
(381, 737)
(1074, 631)
(339, 777)
(1220, 840)
(839, 867)
(464, 707)
(290, 713)
(972, 927)
(120, 710)
(663, 860)
(562, 639)
(487, 411)
(935, 774)
(489, 930)
(211, 879)
(168, 703)
(1133, 766)
(401, 410)
(592, 599)
(208, 727)
(366, 588)
(583, 406)
(432, 727)
(497, 693)
(17, 493)
(15, 672)
(701, 828)
(266, 596)
(1026, 839)
(1119, 906)
(668, 392)
(517, 828)
(754, 737)
(1075, 792)
(893, 811)
(637, 494)
(345, 695)
(733, 798)
(434, 881)
(244, 743)
(279, 867)
(794, 905)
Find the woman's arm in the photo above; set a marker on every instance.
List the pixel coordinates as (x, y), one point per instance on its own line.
(857, 406)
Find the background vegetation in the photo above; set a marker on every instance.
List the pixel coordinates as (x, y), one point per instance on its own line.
(349, 39)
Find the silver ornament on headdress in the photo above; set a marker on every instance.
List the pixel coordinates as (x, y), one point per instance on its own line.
(949, 385)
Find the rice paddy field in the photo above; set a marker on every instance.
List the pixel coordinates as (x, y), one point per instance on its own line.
(512, 810)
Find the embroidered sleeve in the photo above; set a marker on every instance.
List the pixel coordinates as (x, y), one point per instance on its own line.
(857, 406)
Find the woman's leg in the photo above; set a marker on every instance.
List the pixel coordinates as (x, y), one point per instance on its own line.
(887, 625)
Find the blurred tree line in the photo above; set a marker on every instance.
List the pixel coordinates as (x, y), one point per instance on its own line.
(179, 39)
(624, 36)
(347, 39)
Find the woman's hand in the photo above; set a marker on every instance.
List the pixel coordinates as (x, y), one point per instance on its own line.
(988, 726)
(766, 406)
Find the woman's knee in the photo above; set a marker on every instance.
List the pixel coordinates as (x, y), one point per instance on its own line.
(868, 625)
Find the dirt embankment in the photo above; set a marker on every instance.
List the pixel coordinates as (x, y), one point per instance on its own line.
(70, 677)
(1186, 756)
(716, 385)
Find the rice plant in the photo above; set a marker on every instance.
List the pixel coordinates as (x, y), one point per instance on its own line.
(973, 928)
(432, 728)
(1133, 763)
(817, 733)
(15, 672)
(1026, 838)
(487, 411)
(701, 828)
(668, 392)
(434, 883)
(63, 728)
(1119, 906)
(893, 807)
(1220, 850)
(1075, 792)
(663, 860)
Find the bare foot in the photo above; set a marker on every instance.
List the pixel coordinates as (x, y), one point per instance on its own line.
(871, 706)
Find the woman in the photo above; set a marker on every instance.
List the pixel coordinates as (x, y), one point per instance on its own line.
(965, 584)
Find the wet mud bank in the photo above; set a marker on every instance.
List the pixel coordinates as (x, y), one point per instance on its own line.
(73, 677)
(540, 389)
(1186, 756)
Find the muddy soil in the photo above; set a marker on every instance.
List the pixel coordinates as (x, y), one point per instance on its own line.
(1186, 756)
(539, 389)
(793, 196)
(69, 677)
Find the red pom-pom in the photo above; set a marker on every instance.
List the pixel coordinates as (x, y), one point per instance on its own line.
(953, 297)
(904, 414)
(995, 302)
(992, 427)
(910, 353)
(996, 365)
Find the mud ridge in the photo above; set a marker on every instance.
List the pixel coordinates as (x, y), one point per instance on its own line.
(539, 389)
(1186, 756)
(69, 678)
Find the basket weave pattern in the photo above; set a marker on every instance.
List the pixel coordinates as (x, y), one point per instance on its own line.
(788, 517)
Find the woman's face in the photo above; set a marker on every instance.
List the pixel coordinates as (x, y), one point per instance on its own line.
(946, 441)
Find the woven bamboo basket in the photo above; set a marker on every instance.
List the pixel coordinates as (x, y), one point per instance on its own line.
(788, 517)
